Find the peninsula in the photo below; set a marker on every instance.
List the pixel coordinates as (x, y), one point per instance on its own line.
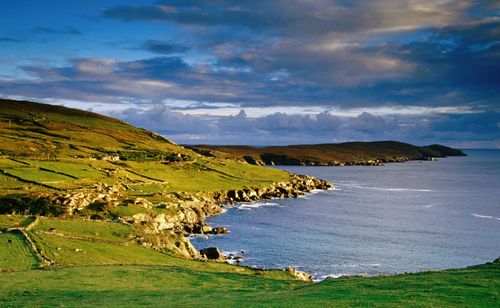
(330, 154)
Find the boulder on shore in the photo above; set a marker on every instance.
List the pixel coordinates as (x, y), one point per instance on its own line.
(220, 230)
(213, 253)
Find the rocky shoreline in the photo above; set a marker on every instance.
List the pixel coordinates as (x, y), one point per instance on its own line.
(163, 226)
(166, 226)
(193, 209)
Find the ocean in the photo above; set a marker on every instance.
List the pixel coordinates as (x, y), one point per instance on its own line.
(397, 218)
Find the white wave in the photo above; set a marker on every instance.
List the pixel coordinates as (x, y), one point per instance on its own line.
(249, 206)
(315, 191)
(429, 205)
(334, 276)
(485, 216)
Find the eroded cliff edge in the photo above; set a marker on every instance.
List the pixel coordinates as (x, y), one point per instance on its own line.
(162, 226)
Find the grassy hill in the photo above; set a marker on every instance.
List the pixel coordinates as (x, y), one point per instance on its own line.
(94, 211)
(62, 162)
(46, 147)
(349, 153)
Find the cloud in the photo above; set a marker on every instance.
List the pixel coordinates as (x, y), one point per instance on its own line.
(283, 128)
(67, 30)
(300, 17)
(162, 119)
(164, 48)
(321, 55)
(313, 53)
(484, 123)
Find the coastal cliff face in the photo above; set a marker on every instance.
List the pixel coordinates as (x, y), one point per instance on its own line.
(162, 226)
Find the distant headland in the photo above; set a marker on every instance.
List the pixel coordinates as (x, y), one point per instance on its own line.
(330, 154)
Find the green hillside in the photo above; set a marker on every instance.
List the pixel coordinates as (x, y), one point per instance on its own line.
(45, 147)
(73, 164)
(178, 284)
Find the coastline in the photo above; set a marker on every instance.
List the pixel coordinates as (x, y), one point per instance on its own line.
(417, 213)
(233, 257)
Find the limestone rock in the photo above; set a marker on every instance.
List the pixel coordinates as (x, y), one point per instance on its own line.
(298, 274)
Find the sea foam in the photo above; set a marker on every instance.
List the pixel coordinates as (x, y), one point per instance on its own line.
(485, 216)
(249, 206)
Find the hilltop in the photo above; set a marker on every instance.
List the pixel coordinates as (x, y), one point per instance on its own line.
(43, 131)
(331, 154)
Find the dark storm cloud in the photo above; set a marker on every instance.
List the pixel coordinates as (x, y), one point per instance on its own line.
(164, 48)
(103, 80)
(463, 56)
(304, 17)
(322, 127)
(162, 119)
(299, 53)
(487, 123)
(67, 30)
(326, 52)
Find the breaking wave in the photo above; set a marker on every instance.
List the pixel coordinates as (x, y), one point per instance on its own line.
(485, 216)
(249, 206)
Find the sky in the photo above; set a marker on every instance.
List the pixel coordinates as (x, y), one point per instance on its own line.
(265, 72)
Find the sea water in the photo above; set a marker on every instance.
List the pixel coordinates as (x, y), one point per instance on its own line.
(401, 217)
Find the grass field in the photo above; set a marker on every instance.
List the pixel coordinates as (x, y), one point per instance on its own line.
(147, 179)
(74, 168)
(193, 287)
(10, 221)
(15, 254)
(37, 175)
(90, 229)
(44, 147)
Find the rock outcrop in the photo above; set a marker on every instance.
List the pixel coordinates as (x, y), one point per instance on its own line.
(99, 197)
(296, 186)
(298, 274)
(165, 225)
(212, 253)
